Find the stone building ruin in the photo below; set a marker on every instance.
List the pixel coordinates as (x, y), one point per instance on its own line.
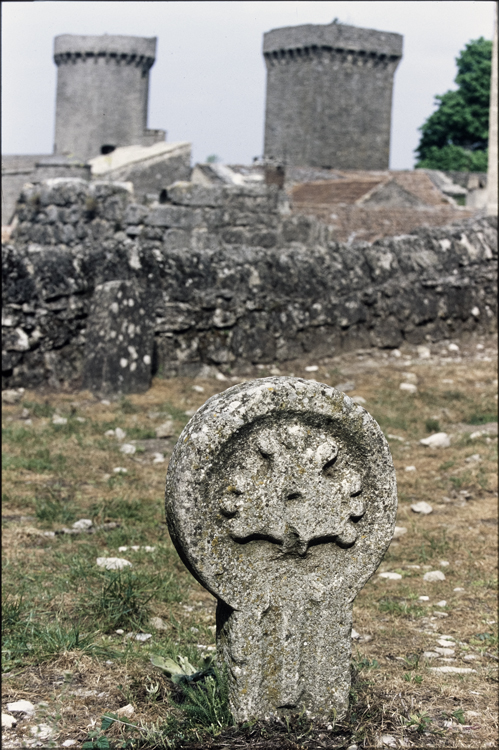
(329, 95)
(107, 79)
(101, 122)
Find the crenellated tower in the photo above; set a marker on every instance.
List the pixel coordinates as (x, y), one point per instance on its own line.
(329, 95)
(102, 93)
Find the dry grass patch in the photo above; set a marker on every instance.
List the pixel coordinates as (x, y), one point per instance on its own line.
(61, 612)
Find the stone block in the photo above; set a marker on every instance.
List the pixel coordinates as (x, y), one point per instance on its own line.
(136, 213)
(180, 217)
(281, 500)
(119, 339)
(190, 194)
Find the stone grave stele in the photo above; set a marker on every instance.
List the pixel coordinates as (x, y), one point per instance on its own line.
(281, 501)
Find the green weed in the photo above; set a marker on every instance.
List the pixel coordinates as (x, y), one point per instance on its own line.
(127, 407)
(122, 601)
(41, 461)
(482, 417)
(39, 410)
(400, 608)
(432, 425)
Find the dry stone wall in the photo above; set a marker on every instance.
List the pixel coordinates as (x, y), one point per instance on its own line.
(232, 277)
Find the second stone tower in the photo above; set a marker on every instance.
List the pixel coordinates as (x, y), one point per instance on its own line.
(102, 93)
(329, 95)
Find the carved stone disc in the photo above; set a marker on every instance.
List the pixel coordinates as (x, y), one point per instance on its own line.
(281, 489)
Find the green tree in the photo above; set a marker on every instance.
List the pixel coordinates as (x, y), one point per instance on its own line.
(455, 136)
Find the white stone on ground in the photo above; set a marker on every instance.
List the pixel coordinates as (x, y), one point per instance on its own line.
(445, 651)
(109, 433)
(83, 524)
(411, 376)
(471, 657)
(443, 603)
(22, 706)
(56, 419)
(311, 368)
(423, 352)
(388, 740)
(12, 396)
(391, 576)
(120, 470)
(126, 711)
(444, 563)
(113, 563)
(475, 458)
(395, 437)
(453, 348)
(105, 402)
(410, 468)
(119, 433)
(82, 420)
(424, 598)
(452, 670)
(128, 449)
(440, 614)
(345, 387)
(431, 655)
(458, 588)
(437, 440)
(8, 721)
(359, 400)
(409, 387)
(158, 623)
(69, 743)
(399, 531)
(446, 641)
(434, 575)
(198, 388)
(159, 458)
(167, 429)
(142, 637)
(422, 507)
(42, 731)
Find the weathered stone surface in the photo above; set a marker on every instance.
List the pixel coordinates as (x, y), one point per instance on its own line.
(221, 299)
(281, 500)
(119, 340)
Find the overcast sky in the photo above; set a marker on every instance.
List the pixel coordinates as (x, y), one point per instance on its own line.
(208, 83)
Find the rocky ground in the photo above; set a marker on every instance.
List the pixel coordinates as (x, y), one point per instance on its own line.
(83, 482)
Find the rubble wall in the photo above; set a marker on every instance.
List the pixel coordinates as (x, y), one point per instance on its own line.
(233, 278)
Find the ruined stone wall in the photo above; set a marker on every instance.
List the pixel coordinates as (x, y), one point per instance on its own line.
(233, 278)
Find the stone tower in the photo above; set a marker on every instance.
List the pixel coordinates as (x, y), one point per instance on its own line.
(329, 95)
(102, 93)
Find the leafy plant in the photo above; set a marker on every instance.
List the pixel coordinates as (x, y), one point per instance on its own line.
(183, 673)
(420, 721)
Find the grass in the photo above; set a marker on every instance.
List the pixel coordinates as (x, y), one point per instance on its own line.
(61, 612)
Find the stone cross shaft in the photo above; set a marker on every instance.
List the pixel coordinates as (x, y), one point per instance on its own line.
(281, 500)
